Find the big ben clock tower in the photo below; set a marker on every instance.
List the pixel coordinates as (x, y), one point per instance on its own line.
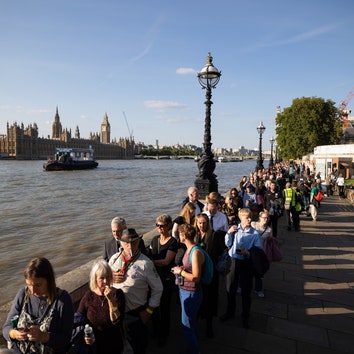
(105, 130)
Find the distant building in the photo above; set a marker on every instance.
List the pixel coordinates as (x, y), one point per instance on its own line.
(328, 158)
(23, 143)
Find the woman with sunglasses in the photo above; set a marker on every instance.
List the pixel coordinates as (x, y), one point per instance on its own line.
(162, 251)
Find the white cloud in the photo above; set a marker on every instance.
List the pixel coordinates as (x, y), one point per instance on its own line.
(161, 105)
(186, 71)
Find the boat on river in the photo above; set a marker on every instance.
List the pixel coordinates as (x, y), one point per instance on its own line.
(228, 159)
(69, 159)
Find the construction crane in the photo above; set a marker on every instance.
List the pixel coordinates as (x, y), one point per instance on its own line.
(343, 109)
(126, 122)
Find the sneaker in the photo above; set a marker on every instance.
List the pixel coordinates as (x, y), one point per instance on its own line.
(260, 293)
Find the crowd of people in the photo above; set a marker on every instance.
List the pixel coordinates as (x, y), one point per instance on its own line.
(134, 282)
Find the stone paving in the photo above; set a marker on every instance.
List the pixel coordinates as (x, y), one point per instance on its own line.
(309, 295)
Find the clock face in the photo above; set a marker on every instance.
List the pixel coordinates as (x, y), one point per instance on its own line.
(103, 128)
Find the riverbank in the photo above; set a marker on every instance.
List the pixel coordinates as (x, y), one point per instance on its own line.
(308, 304)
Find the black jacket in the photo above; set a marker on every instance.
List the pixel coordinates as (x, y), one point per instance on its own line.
(186, 200)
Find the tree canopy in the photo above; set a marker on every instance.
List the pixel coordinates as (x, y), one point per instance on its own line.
(307, 123)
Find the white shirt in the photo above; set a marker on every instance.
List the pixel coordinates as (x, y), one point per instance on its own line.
(340, 181)
(140, 276)
(219, 221)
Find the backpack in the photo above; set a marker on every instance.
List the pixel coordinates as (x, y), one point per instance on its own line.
(319, 196)
(208, 267)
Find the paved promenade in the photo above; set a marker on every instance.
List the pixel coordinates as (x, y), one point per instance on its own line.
(309, 296)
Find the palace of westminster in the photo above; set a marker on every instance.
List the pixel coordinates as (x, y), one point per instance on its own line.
(24, 143)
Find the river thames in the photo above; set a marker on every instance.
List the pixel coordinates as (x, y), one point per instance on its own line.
(65, 216)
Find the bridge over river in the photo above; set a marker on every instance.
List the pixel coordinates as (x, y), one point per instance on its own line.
(165, 157)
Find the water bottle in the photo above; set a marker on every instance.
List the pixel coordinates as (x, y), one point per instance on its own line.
(14, 321)
(179, 279)
(89, 332)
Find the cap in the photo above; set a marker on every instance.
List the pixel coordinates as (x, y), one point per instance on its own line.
(129, 235)
(248, 185)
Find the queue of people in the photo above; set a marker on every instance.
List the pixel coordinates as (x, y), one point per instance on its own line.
(133, 283)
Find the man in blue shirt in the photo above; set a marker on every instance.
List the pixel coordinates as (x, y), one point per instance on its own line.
(240, 239)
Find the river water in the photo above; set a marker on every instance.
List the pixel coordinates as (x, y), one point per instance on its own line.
(65, 216)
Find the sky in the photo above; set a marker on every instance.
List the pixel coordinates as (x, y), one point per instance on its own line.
(138, 61)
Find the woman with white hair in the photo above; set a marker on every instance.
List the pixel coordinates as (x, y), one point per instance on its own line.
(103, 306)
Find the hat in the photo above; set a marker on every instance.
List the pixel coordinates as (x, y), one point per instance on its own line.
(248, 185)
(129, 235)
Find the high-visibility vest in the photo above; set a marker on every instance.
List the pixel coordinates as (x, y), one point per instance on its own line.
(289, 195)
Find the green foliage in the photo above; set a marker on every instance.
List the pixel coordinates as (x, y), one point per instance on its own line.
(168, 151)
(307, 123)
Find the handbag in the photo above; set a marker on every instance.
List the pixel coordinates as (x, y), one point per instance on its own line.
(272, 250)
(319, 196)
(223, 263)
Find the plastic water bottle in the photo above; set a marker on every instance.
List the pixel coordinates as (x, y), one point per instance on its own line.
(89, 332)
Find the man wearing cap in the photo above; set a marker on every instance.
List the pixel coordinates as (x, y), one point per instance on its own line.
(112, 246)
(135, 274)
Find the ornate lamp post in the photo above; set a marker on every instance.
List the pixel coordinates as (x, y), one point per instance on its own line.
(206, 181)
(271, 161)
(261, 128)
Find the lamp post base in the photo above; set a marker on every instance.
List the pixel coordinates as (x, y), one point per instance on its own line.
(259, 166)
(205, 186)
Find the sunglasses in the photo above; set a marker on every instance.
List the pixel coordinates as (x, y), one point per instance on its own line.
(161, 225)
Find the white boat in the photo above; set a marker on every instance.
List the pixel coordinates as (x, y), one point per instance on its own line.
(228, 159)
(69, 159)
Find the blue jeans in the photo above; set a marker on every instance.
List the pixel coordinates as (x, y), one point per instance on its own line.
(190, 303)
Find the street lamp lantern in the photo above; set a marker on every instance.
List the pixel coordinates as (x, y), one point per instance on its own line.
(209, 76)
(271, 161)
(261, 128)
(206, 181)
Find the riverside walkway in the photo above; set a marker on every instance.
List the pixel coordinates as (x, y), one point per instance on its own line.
(309, 295)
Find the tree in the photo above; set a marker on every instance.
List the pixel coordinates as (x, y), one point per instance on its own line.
(307, 123)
